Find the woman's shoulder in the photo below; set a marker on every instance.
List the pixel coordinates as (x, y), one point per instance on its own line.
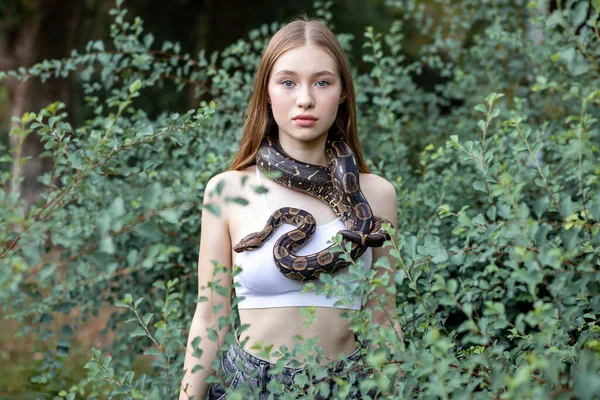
(229, 183)
(380, 194)
(378, 184)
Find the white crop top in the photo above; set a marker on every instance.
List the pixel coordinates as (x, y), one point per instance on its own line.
(263, 286)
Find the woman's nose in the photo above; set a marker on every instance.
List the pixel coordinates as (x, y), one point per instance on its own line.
(305, 98)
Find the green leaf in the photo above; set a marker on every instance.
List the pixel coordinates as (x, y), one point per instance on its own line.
(117, 208)
(439, 284)
(137, 331)
(566, 206)
(28, 116)
(138, 302)
(452, 285)
(539, 182)
(492, 97)
(147, 318)
(149, 229)
(444, 211)
(579, 13)
(105, 361)
(152, 194)
(481, 108)
(478, 185)
(135, 86)
(121, 303)
(495, 112)
(159, 284)
(197, 368)
(410, 247)
(237, 200)
(107, 245)
(76, 160)
(213, 209)
(481, 125)
(153, 351)
(172, 215)
(549, 257)
(260, 190)
(567, 55)
(212, 334)
(146, 130)
(148, 40)
(491, 213)
(595, 209)
(541, 205)
(433, 248)
(219, 187)
(479, 220)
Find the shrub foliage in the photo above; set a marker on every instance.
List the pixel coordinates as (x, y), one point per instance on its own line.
(496, 169)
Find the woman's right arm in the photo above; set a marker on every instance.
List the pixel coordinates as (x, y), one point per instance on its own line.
(215, 244)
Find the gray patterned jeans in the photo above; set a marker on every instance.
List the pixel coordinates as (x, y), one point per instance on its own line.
(240, 369)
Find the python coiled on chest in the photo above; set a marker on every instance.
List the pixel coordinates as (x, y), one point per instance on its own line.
(336, 185)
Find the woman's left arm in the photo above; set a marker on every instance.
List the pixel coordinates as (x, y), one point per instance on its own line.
(381, 195)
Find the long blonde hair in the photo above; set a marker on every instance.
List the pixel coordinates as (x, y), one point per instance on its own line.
(260, 120)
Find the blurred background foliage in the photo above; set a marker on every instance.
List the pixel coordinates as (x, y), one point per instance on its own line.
(484, 115)
(194, 24)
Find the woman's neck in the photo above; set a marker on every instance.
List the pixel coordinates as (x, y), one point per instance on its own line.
(310, 152)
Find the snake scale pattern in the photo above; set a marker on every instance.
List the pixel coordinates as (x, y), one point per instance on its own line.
(336, 185)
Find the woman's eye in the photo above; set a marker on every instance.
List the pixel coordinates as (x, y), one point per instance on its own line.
(285, 83)
(324, 82)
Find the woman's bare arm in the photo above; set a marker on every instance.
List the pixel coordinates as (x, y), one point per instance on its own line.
(381, 195)
(383, 201)
(214, 246)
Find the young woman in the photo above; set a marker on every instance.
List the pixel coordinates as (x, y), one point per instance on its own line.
(303, 93)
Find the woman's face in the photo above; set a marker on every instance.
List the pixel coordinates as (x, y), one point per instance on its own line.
(304, 82)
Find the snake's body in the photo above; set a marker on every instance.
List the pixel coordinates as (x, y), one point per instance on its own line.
(338, 186)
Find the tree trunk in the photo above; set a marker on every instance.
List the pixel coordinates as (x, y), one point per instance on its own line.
(48, 31)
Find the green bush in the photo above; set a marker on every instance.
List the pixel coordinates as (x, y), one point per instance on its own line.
(499, 202)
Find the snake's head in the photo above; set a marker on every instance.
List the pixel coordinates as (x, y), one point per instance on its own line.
(245, 246)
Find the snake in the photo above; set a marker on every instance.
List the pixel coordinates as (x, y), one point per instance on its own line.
(338, 186)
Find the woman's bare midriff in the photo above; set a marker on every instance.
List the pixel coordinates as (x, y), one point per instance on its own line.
(278, 326)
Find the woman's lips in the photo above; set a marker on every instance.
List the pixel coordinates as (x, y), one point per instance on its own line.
(305, 122)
